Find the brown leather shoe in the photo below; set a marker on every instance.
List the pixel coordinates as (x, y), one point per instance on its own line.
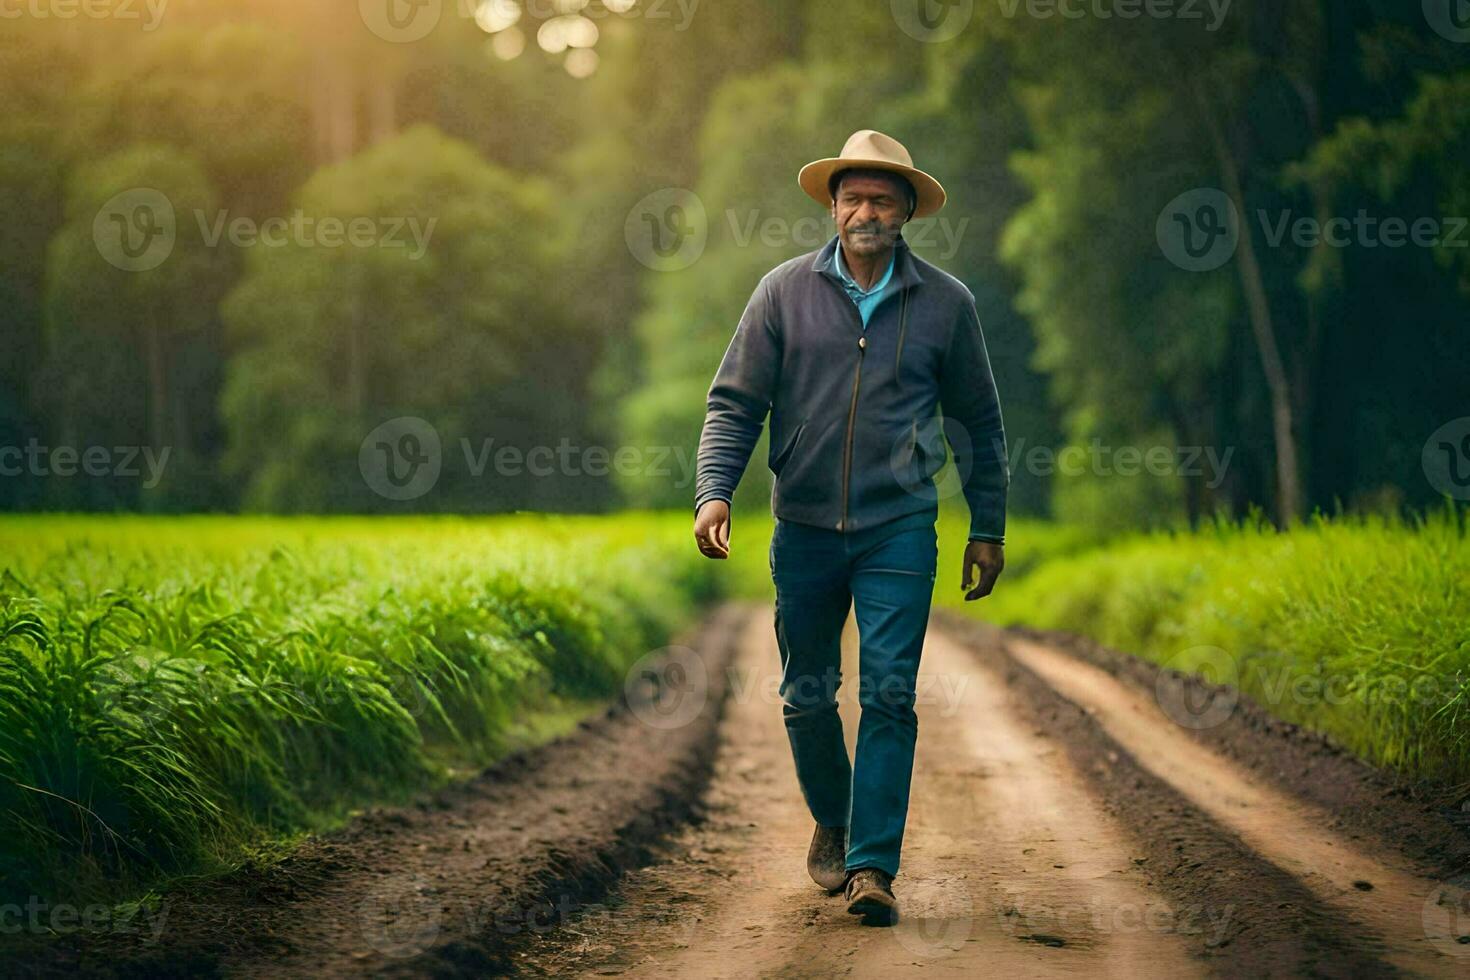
(870, 895)
(827, 857)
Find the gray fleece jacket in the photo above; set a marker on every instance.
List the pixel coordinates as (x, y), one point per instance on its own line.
(859, 418)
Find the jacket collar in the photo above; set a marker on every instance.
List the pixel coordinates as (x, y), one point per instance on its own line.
(905, 264)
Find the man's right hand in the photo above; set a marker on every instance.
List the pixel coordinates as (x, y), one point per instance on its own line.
(712, 529)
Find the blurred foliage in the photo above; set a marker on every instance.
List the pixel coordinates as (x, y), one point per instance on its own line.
(530, 320)
(327, 337)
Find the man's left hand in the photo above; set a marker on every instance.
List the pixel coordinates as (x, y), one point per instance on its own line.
(988, 559)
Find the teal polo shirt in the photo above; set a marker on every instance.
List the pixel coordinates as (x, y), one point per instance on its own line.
(867, 300)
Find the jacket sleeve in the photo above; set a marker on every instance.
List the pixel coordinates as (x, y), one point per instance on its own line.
(967, 395)
(739, 400)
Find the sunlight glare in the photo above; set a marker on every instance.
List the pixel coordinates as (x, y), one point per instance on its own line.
(497, 15)
(508, 44)
(581, 62)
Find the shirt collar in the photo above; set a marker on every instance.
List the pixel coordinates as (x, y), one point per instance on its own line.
(852, 284)
(905, 266)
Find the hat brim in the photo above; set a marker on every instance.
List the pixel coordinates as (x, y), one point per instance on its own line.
(815, 176)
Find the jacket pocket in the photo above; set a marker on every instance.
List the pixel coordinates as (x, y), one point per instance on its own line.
(778, 462)
(929, 450)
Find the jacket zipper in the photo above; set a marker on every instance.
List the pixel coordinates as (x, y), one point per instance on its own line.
(857, 378)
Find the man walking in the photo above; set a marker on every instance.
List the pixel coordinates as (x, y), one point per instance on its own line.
(854, 349)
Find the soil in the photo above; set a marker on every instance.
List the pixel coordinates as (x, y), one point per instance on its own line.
(446, 887)
(1063, 822)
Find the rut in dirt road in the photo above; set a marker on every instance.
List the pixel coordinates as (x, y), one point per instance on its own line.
(1060, 825)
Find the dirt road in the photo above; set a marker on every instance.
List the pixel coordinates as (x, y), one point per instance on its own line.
(1061, 825)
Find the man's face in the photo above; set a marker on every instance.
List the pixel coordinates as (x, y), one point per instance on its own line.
(870, 212)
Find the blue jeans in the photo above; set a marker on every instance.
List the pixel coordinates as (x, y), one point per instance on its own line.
(886, 573)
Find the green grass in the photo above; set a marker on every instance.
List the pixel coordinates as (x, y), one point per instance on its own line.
(1356, 627)
(177, 694)
(1359, 628)
(174, 692)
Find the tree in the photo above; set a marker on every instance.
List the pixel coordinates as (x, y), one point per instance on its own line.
(451, 312)
(130, 286)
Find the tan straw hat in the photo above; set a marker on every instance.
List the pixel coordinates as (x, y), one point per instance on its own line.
(870, 149)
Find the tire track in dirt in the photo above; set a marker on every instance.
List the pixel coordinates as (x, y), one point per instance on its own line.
(1381, 891)
(1010, 865)
(1060, 826)
(1248, 917)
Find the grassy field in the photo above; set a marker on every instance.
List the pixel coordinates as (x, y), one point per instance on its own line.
(173, 691)
(1359, 628)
